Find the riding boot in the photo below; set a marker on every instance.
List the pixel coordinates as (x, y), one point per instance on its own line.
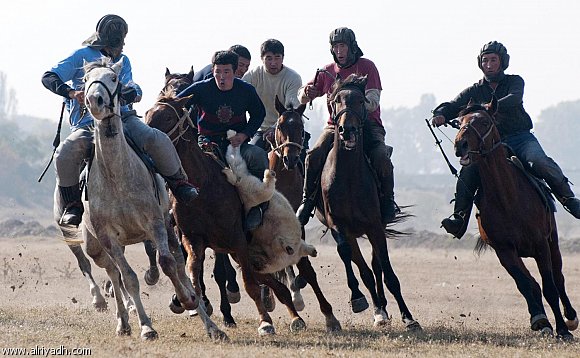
(256, 215)
(182, 190)
(389, 208)
(467, 184)
(566, 196)
(304, 212)
(72, 211)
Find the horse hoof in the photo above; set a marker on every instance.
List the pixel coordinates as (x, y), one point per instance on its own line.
(412, 326)
(572, 324)
(297, 324)
(230, 323)
(100, 306)
(358, 305)
(152, 276)
(381, 318)
(148, 334)
(233, 296)
(298, 301)
(219, 336)
(123, 330)
(565, 336)
(546, 332)
(332, 324)
(266, 329)
(299, 282)
(540, 321)
(175, 306)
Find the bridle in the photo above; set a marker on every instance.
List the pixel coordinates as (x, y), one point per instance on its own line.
(361, 116)
(110, 132)
(482, 137)
(277, 146)
(184, 122)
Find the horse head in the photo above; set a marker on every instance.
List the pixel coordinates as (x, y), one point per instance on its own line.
(102, 88)
(170, 116)
(478, 135)
(289, 134)
(177, 82)
(349, 113)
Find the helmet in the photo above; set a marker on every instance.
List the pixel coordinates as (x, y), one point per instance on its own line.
(497, 48)
(346, 36)
(110, 32)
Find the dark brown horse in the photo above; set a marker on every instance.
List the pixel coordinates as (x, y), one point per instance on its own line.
(223, 269)
(515, 221)
(284, 156)
(349, 204)
(215, 219)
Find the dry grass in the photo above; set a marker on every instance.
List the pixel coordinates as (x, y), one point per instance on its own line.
(468, 306)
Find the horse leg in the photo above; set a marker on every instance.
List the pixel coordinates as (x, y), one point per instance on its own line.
(551, 292)
(283, 295)
(103, 260)
(528, 287)
(378, 271)
(295, 284)
(219, 274)
(358, 301)
(253, 289)
(569, 311)
(182, 282)
(381, 254)
(307, 272)
(131, 282)
(152, 274)
(233, 289)
(99, 301)
(380, 316)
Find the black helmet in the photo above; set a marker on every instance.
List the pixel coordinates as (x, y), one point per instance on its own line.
(346, 36)
(497, 48)
(110, 32)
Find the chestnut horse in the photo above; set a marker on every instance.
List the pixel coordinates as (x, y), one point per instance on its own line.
(515, 220)
(214, 220)
(349, 204)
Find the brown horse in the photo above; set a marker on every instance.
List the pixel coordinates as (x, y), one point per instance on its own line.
(349, 204)
(284, 156)
(177, 82)
(515, 221)
(215, 219)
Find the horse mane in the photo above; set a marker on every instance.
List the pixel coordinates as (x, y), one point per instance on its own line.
(352, 81)
(472, 107)
(167, 95)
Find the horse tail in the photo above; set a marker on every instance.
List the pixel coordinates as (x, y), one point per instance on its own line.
(480, 246)
(401, 217)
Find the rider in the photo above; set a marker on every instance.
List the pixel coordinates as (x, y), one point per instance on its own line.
(223, 102)
(348, 60)
(273, 79)
(514, 126)
(107, 41)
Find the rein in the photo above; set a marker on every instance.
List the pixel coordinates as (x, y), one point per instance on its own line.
(482, 151)
(180, 126)
(277, 148)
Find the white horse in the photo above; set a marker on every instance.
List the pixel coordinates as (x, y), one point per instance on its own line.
(128, 205)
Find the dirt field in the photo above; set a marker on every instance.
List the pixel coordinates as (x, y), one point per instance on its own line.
(468, 306)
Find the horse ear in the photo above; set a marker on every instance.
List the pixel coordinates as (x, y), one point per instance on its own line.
(167, 73)
(190, 74)
(117, 66)
(301, 108)
(279, 106)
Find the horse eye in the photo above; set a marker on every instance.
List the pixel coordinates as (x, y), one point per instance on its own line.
(114, 78)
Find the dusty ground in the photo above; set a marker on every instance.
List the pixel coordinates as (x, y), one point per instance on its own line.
(467, 305)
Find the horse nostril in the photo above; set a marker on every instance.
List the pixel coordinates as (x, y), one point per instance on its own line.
(100, 101)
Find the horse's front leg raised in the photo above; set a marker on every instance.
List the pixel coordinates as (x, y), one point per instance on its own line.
(358, 301)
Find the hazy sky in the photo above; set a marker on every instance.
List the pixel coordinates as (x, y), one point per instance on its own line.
(418, 46)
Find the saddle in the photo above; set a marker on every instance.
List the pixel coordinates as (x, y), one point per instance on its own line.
(539, 184)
